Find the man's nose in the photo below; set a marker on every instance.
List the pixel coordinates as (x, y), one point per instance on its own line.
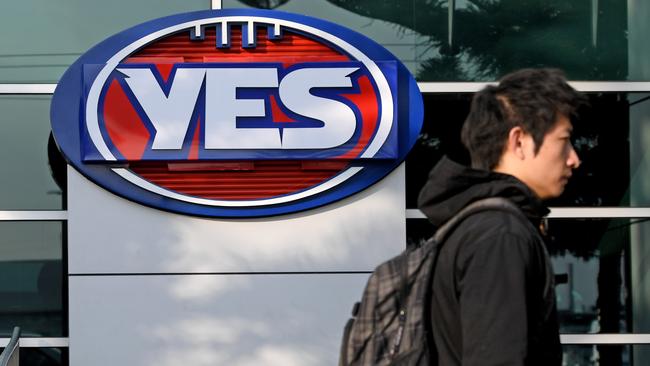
(573, 161)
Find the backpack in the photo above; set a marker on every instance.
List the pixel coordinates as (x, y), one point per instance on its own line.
(391, 325)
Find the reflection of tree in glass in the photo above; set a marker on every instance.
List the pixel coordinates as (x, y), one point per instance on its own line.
(493, 37)
(488, 38)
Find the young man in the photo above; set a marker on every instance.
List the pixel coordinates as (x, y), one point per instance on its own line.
(493, 292)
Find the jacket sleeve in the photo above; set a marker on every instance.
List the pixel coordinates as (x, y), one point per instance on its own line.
(492, 291)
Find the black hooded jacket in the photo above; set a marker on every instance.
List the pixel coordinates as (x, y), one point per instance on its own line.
(493, 290)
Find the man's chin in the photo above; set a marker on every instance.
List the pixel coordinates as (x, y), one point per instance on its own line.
(552, 194)
(556, 194)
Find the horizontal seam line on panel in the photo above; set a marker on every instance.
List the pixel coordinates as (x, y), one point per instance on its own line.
(432, 86)
(578, 212)
(39, 342)
(605, 338)
(63, 342)
(215, 273)
(35, 88)
(435, 87)
(33, 215)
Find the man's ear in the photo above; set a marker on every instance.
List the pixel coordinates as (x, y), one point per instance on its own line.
(516, 142)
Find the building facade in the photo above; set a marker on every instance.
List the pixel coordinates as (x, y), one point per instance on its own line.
(94, 279)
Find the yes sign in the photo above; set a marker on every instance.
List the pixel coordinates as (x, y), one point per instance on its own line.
(170, 114)
(236, 113)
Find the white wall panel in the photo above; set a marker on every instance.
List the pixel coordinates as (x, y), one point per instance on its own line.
(121, 314)
(108, 234)
(207, 320)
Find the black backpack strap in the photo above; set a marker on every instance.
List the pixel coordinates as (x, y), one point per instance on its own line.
(492, 203)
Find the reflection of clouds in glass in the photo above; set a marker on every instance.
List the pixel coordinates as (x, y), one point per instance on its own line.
(203, 340)
(267, 243)
(208, 340)
(201, 287)
(199, 356)
(207, 330)
(273, 319)
(278, 355)
(284, 355)
(355, 233)
(228, 298)
(326, 239)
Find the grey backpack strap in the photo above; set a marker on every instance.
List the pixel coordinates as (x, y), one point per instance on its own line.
(492, 203)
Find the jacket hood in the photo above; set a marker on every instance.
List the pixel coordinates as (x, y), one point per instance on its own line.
(452, 186)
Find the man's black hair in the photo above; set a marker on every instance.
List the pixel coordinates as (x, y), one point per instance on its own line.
(528, 98)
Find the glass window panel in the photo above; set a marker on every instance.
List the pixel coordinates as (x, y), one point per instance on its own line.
(43, 356)
(418, 231)
(31, 279)
(440, 135)
(27, 182)
(42, 38)
(597, 355)
(612, 138)
(389, 23)
(481, 40)
(601, 272)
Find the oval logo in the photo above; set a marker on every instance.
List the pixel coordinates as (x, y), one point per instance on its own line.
(236, 113)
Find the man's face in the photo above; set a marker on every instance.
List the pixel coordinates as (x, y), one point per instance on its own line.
(548, 171)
